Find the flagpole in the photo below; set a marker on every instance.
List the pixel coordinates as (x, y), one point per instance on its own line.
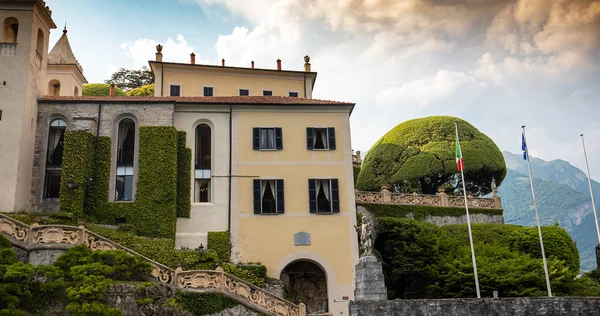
(462, 175)
(590, 184)
(537, 218)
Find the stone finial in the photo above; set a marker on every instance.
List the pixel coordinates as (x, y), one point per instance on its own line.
(159, 48)
(219, 269)
(65, 29)
(306, 63)
(159, 55)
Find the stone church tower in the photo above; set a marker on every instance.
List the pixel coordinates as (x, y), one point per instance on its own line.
(24, 33)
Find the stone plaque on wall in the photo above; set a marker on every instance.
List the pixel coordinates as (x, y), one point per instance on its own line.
(301, 239)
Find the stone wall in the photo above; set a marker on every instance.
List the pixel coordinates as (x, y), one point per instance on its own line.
(84, 116)
(572, 306)
(449, 220)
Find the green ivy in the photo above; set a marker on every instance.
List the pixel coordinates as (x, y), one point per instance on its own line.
(77, 168)
(219, 242)
(97, 199)
(251, 273)
(204, 303)
(421, 212)
(184, 160)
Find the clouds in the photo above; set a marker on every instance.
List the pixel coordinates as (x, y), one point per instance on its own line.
(143, 50)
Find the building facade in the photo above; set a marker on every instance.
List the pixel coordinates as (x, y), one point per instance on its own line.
(269, 164)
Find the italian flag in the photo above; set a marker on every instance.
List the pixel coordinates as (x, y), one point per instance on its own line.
(460, 163)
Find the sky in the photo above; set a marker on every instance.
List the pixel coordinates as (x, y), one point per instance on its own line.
(498, 64)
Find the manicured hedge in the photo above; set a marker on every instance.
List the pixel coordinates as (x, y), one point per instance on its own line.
(143, 91)
(421, 212)
(219, 242)
(204, 303)
(100, 89)
(184, 174)
(77, 168)
(254, 273)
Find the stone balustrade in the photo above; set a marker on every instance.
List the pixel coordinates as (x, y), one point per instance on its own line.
(8, 49)
(61, 237)
(440, 199)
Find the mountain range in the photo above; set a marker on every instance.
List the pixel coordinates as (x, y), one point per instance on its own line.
(563, 198)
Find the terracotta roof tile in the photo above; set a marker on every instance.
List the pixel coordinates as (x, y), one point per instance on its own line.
(251, 100)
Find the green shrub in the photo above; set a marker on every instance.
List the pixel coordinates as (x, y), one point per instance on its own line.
(219, 242)
(77, 169)
(143, 91)
(184, 174)
(100, 89)
(204, 303)
(24, 286)
(251, 273)
(421, 212)
(419, 156)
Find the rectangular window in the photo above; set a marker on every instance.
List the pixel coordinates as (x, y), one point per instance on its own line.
(244, 92)
(268, 196)
(320, 138)
(208, 91)
(202, 190)
(175, 91)
(293, 94)
(52, 185)
(124, 184)
(323, 195)
(267, 138)
(267, 93)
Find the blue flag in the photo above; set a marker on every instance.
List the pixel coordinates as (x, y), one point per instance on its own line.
(523, 146)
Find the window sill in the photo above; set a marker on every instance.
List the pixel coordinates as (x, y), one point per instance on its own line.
(316, 149)
(202, 203)
(324, 213)
(113, 201)
(268, 214)
(261, 149)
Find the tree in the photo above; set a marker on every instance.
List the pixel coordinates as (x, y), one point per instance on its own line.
(419, 156)
(143, 91)
(128, 79)
(100, 89)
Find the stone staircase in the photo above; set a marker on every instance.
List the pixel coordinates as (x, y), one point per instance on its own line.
(61, 237)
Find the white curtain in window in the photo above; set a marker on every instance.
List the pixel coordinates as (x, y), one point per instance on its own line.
(325, 184)
(315, 135)
(324, 138)
(123, 129)
(263, 187)
(54, 138)
(272, 185)
(271, 138)
(318, 187)
(263, 138)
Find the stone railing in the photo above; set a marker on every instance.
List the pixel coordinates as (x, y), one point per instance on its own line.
(8, 49)
(219, 281)
(440, 199)
(36, 237)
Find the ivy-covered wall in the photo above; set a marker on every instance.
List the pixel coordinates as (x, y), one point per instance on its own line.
(153, 211)
(184, 174)
(77, 168)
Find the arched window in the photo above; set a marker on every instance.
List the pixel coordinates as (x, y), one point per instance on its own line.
(202, 164)
(54, 154)
(10, 30)
(76, 92)
(125, 160)
(40, 42)
(54, 88)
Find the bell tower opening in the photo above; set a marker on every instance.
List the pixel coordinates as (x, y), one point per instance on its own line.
(10, 30)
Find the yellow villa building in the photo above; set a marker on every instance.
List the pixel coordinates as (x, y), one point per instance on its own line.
(269, 164)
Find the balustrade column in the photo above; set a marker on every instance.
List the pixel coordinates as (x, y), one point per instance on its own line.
(386, 196)
(443, 198)
(497, 201)
(302, 308)
(82, 235)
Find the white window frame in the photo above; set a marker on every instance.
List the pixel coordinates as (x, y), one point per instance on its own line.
(214, 91)
(326, 137)
(293, 92)
(274, 196)
(176, 84)
(274, 139)
(272, 93)
(243, 89)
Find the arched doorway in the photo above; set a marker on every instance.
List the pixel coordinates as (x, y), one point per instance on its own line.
(306, 281)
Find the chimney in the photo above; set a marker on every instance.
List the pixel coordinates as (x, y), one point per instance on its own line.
(307, 63)
(192, 58)
(223, 62)
(278, 64)
(159, 53)
(252, 64)
(358, 156)
(112, 90)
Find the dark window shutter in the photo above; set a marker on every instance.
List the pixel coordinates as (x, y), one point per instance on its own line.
(280, 199)
(312, 195)
(309, 138)
(335, 196)
(278, 138)
(256, 196)
(255, 138)
(331, 133)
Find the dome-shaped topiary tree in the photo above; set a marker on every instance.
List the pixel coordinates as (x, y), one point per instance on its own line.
(419, 156)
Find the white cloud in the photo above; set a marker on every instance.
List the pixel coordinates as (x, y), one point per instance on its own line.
(143, 50)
